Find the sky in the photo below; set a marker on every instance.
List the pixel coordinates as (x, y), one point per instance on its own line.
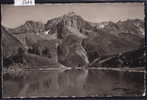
(14, 16)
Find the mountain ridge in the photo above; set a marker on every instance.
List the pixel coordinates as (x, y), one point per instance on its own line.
(98, 39)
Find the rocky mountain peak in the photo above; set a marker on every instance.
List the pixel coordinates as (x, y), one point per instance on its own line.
(71, 14)
(29, 26)
(30, 22)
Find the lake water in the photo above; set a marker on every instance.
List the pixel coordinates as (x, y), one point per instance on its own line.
(74, 82)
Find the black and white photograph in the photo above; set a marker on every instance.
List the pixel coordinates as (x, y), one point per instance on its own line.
(73, 50)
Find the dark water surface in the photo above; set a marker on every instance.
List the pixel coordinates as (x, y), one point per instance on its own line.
(74, 82)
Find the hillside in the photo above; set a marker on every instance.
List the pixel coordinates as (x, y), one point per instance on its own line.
(10, 44)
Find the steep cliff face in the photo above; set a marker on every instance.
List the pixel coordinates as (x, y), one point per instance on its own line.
(67, 24)
(71, 53)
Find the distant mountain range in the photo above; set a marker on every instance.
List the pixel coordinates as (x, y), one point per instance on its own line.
(91, 40)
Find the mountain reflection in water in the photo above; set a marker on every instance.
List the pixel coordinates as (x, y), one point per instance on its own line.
(74, 82)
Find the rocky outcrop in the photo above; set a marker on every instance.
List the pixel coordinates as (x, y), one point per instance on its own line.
(71, 53)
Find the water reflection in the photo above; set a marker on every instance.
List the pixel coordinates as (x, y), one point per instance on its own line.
(74, 82)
